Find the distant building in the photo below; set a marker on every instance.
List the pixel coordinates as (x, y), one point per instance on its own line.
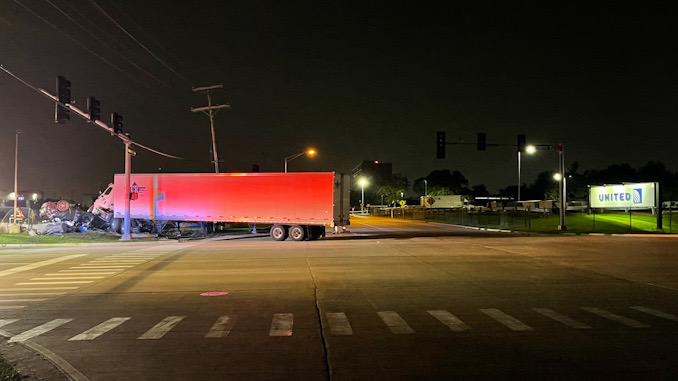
(373, 170)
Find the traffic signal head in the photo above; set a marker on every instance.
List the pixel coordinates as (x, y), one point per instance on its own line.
(116, 123)
(440, 145)
(63, 90)
(521, 143)
(482, 141)
(93, 108)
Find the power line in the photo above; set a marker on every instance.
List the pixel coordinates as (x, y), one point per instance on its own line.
(80, 44)
(107, 45)
(137, 41)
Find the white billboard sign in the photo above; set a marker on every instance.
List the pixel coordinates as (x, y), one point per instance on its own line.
(624, 196)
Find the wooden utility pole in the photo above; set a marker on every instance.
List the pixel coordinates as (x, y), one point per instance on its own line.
(211, 111)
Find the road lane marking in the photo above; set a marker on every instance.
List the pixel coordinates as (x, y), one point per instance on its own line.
(4, 322)
(507, 320)
(21, 300)
(34, 294)
(38, 288)
(395, 323)
(658, 313)
(87, 272)
(11, 307)
(86, 266)
(222, 327)
(39, 330)
(69, 278)
(100, 329)
(339, 325)
(46, 283)
(449, 320)
(618, 318)
(39, 264)
(568, 321)
(281, 325)
(120, 261)
(161, 329)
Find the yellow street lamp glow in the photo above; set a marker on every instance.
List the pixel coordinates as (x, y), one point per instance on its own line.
(531, 149)
(363, 182)
(557, 176)
(311, 152)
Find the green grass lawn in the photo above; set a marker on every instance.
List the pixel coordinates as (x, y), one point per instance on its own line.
(612, 223)
(71, 238)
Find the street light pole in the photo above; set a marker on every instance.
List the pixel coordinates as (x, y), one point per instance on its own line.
(518, 176)
(425, 188)
(309, 152)
(561, 187)
(126, 236)
(16, 171)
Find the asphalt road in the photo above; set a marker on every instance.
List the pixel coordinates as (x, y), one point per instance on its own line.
(390, 300)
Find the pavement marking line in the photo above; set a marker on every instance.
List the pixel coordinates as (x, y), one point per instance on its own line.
(85, 266)
(339, 325)
(11, 307)
(281, 325)
(658, 313)
(39, 330)
(34, 294)
(507, 320)
(4, 322)
(618, 318)
(568, 321)
(38, 288)
(222, 327)
(70, 278)
(21, 300)
(45, 283)
(160, 329)
(100, 329)
(395, 323)
(39, 264)
(92, 271)
(449, 320)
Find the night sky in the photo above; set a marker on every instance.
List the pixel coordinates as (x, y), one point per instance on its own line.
(356, 80)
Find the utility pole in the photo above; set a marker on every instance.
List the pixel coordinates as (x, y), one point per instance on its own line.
(16, 171)
(211, 111)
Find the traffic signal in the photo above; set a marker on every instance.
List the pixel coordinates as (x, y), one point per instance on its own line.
(116, 123)
(63, 90)
(93, 109)
(482, 141)
(521, 143)
(440, 145)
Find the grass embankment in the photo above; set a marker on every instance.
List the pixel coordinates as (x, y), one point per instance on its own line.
(8, 373)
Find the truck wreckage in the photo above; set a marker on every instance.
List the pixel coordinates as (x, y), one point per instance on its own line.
(295, 205)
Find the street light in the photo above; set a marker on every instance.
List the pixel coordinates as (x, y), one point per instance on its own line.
(310, 152)
(16, 171)
(425, 188)
(362, 182)
(530, 150)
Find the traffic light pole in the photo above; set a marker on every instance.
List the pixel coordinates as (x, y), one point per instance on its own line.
(126, 236)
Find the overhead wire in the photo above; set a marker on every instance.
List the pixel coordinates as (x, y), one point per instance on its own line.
(80, 44)
(111, 19)
(107, 45)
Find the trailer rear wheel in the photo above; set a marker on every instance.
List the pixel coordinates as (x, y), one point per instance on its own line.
(279, 232)
(297, 233)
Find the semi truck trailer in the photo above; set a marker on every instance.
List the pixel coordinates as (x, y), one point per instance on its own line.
(296, 205)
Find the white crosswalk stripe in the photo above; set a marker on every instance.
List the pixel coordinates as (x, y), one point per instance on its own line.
(449, 320)
(281, 325)
(395, 323)
(39, 330)
(100, 329)
(339, 325)
(507, 320)
(4, 322)
(658, 313)
(161, 329)
(618, 318)
(568, 321)
(222, 327)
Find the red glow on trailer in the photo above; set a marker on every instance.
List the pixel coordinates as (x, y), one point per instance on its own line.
(214, 293)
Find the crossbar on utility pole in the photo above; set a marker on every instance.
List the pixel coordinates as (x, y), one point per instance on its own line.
(210, 110)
